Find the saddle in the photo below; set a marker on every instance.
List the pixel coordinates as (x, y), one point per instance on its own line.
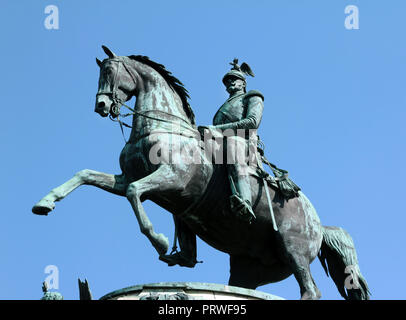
(281, 181)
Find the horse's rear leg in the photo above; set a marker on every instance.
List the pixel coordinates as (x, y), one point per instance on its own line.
(245, 272)
(109, 182)
(296, 256)
(161, 181)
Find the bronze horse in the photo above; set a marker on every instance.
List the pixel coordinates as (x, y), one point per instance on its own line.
(198, 193)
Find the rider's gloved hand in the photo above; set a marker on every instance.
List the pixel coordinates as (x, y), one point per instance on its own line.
(210, 131)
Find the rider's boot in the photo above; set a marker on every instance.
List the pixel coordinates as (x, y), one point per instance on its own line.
(179, 258)
(186, 257)
(241, 203)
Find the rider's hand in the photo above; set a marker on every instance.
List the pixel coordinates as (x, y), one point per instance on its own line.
(211, 131)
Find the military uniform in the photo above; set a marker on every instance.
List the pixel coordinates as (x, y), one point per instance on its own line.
(242, 113)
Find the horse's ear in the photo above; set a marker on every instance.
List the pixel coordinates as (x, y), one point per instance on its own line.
(99, 63)
(108, 52)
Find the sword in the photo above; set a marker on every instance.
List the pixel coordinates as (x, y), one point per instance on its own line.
(268, 197)
(275, 227)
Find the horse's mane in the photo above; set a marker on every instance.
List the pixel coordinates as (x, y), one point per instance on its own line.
(173, 82)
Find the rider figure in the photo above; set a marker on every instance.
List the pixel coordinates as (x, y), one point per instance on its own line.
(242, 111)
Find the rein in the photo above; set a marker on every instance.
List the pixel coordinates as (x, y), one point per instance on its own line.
(118, 103)
(133, 112)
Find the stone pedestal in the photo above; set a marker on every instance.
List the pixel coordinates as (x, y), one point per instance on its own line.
(187, 291)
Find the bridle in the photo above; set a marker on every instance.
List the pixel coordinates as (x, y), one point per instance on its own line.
(115, 110)
(117, 102)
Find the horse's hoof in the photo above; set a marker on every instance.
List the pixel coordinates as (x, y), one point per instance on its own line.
(43, 207)
(311, 295)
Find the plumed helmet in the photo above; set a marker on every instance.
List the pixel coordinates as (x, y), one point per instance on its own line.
(238, 71)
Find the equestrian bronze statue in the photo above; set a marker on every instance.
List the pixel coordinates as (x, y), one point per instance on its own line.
(165, 161)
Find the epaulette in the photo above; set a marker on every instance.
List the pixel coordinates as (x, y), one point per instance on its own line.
(252, 93)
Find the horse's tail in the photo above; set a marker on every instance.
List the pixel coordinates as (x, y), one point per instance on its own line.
(339, 258)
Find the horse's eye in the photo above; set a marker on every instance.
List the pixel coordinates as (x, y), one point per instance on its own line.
(108, 72)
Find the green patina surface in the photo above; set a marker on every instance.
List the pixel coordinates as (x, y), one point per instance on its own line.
(161, 105)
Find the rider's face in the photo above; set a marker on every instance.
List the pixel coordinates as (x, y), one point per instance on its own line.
(234, 84)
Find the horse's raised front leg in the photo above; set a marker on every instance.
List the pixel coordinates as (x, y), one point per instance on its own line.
(109, 182)
(161, 181)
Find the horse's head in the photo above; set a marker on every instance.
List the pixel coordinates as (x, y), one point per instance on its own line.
(116, 84)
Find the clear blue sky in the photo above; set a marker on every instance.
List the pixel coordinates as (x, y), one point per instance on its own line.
(334, 117)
